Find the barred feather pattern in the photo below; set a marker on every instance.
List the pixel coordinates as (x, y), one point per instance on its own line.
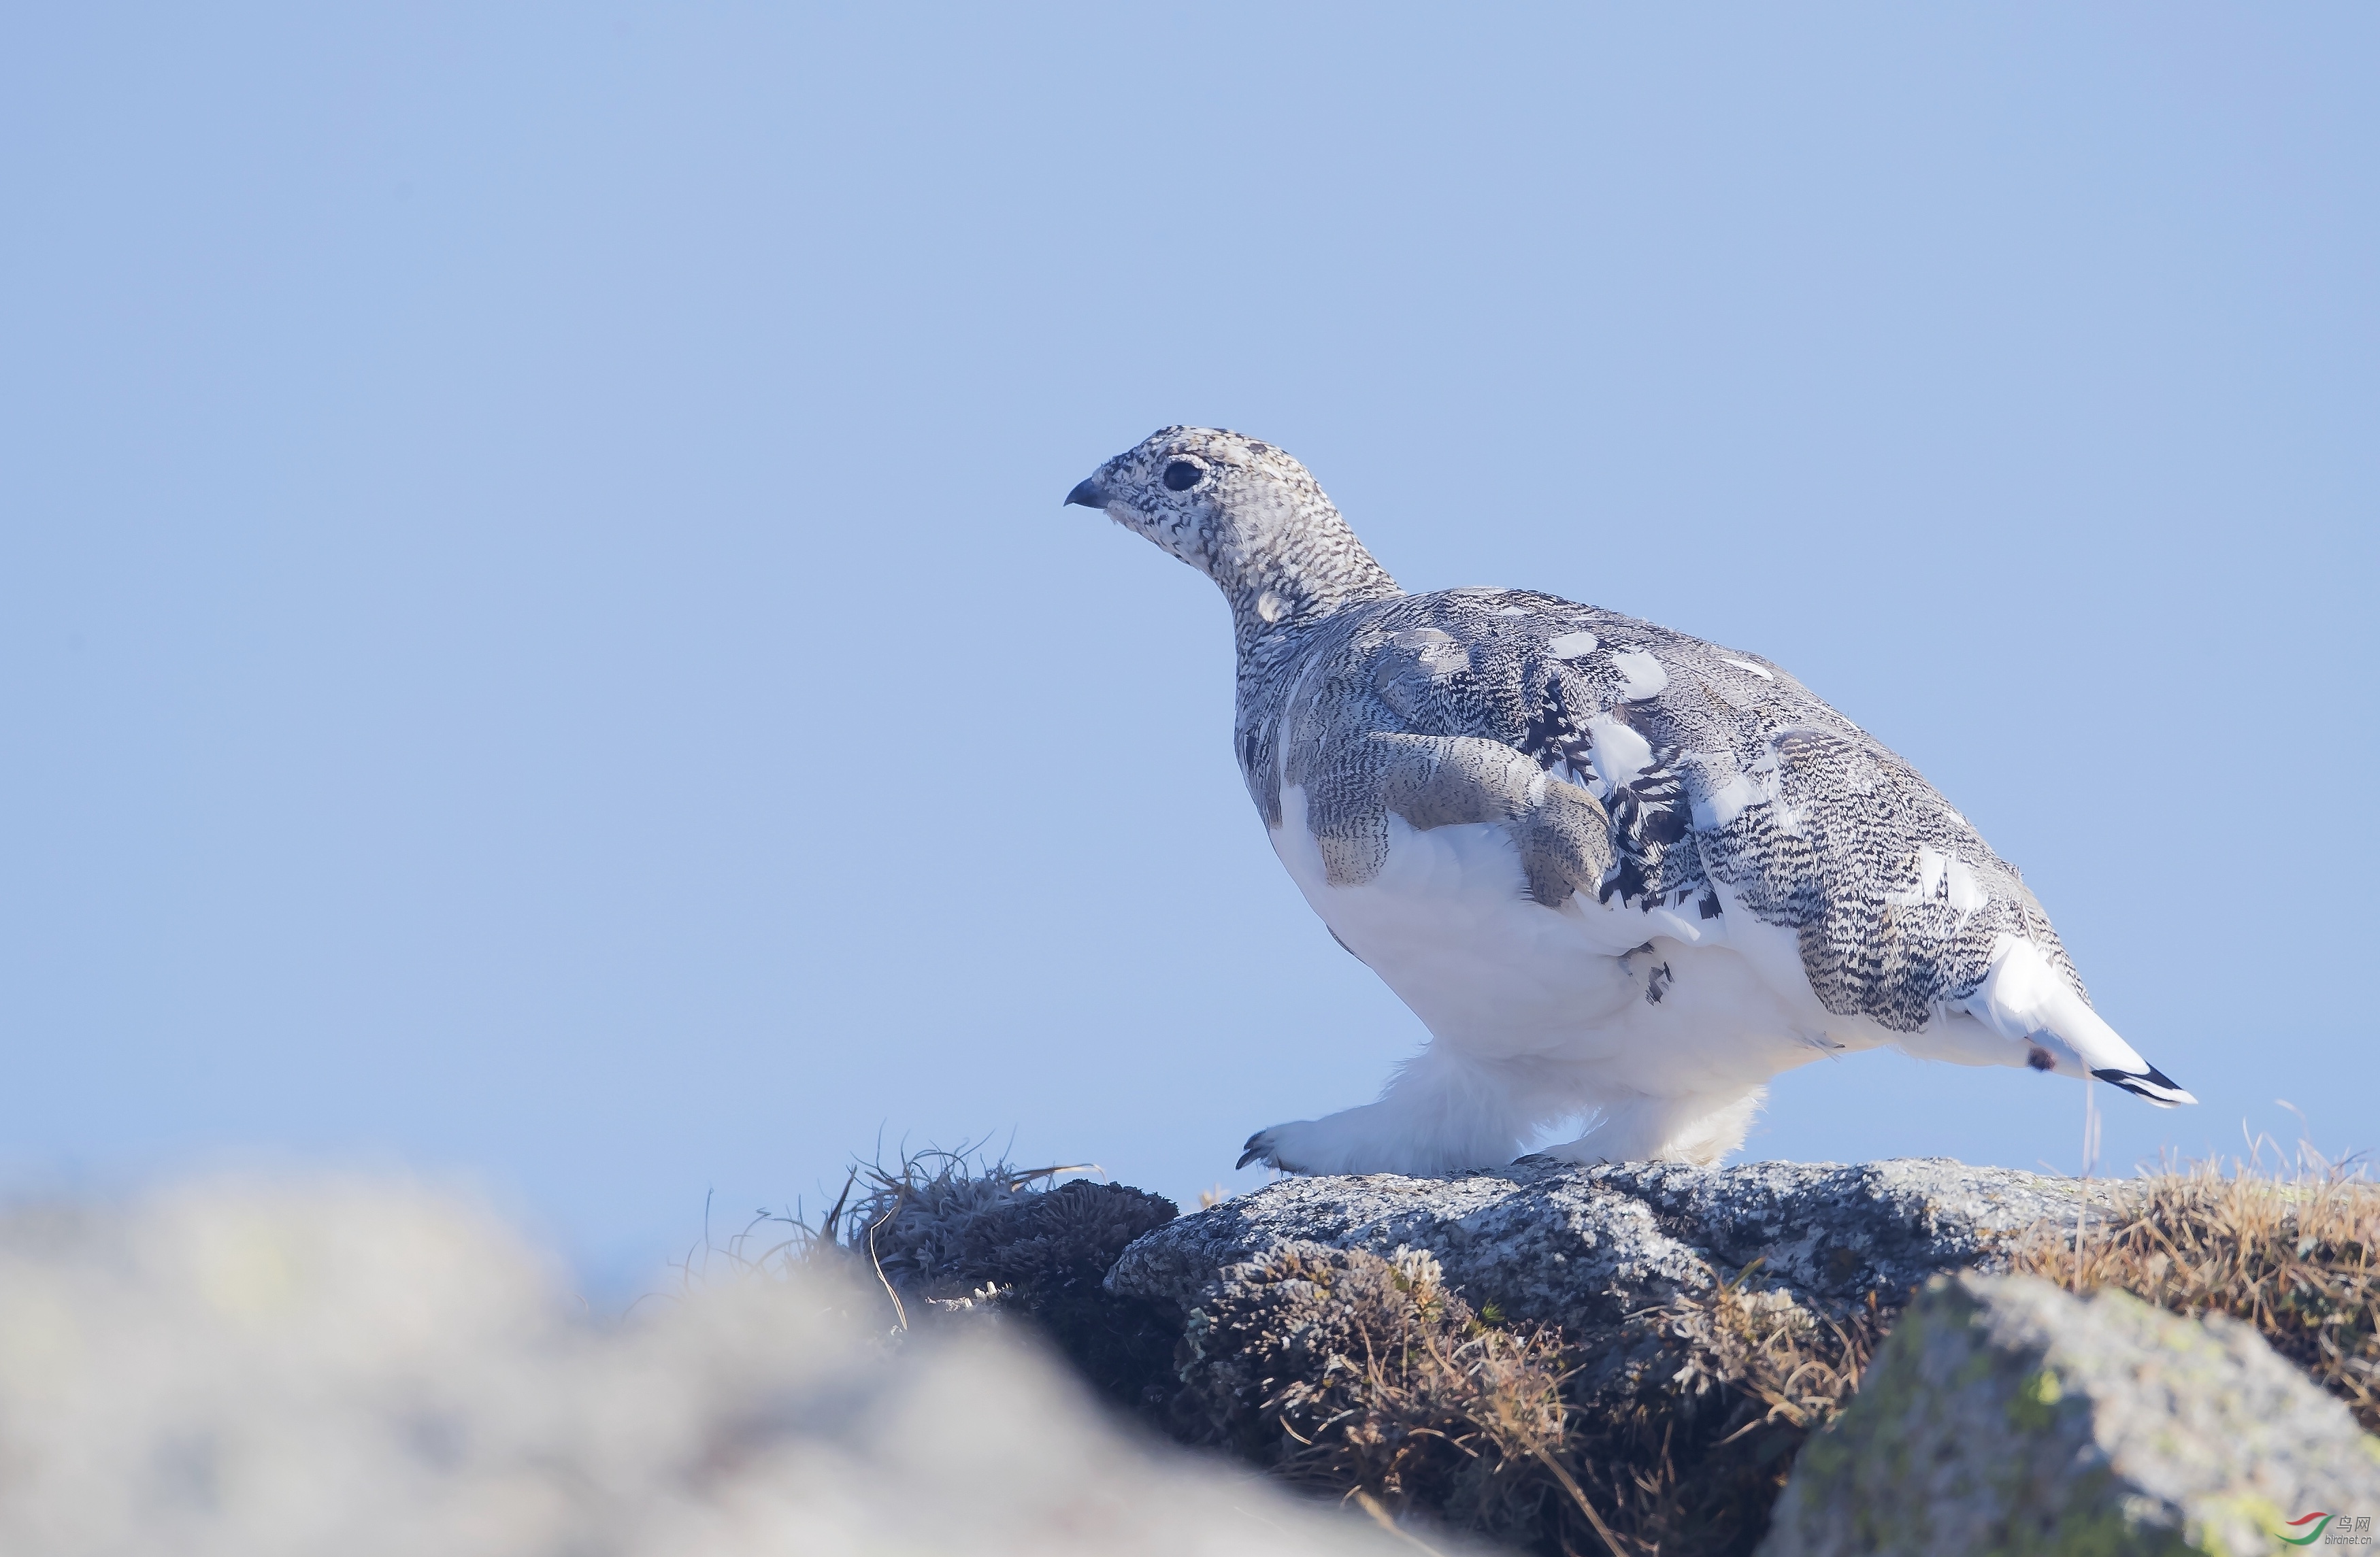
(1703, 764)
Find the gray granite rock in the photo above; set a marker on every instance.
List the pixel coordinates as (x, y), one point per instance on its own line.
(2006, 1416)
(1584, 1246)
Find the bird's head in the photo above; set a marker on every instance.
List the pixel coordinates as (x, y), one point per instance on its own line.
(1242, 513)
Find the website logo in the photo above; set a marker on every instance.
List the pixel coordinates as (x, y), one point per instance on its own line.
(2331, 1529)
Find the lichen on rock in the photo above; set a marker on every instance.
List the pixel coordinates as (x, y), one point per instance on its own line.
(2007, 1416)
(1584, 1248)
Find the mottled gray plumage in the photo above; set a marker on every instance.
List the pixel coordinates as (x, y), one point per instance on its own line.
(1444, 707)
(1642, 781)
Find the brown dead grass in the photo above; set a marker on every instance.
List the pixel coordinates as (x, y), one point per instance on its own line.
(1687, 1453)
(2299, 1258)
(1363, 1376)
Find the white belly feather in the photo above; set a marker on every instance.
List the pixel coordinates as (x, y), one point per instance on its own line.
(1448, 923)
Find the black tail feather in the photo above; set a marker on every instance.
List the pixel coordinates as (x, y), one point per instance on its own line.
(2152, 1083)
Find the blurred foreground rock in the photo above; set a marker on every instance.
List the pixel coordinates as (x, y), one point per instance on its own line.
(366, 1370)
(2006, 1416)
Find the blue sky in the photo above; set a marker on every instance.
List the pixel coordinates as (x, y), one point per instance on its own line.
(538, 643)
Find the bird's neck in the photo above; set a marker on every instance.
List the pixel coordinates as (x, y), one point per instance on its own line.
(1281, 589)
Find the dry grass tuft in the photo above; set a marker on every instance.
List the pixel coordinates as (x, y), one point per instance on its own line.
(947, 1231)
(1365, 1376)
(2294, 1256)
(944, 1234)
(1683, 1446)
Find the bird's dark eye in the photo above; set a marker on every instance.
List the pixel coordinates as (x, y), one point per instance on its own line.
(1181, 475)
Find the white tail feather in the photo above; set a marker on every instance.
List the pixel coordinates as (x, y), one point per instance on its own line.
(2024, 1000)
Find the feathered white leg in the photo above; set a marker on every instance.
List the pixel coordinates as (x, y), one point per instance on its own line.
(1441, 1114)
(1675, 1129)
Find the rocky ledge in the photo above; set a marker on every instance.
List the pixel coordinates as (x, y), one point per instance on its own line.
(1584, 1248)
(1631, 1358)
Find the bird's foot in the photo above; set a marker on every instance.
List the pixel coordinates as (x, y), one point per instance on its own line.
(1313, 1146)
(1265, 1147)
(1373, 1139)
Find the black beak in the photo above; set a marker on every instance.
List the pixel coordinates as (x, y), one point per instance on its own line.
(1088, 493)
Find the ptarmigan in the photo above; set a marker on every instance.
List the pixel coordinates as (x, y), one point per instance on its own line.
(1619, 872)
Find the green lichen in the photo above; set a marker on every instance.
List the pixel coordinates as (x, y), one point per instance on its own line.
(2035, 1406)
(1878, 1480)
(2248, 1509)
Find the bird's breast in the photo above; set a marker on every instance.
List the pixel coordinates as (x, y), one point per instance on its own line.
(1447, 922)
